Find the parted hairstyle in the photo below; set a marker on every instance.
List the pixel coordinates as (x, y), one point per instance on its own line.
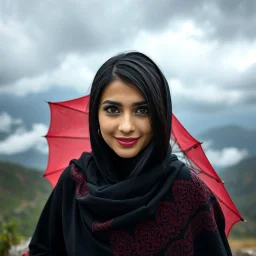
(137, 69)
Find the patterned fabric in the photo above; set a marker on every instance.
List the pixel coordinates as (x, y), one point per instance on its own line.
(151, 237)
(80, 180)
(165, 211)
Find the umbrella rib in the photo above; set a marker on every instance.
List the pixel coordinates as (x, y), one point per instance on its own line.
(63, 106)
(188, 149)
(66, 137)
(238, 215)
(218, 197)
(192, 147)
(215, 195)
(200, 171)
(185, 156)
(47, 174)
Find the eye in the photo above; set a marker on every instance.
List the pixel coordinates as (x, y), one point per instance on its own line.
(143, 110)
(111, 110)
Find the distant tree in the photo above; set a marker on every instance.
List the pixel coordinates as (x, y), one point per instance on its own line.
(9, 236)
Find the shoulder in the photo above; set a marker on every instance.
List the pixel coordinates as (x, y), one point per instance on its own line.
(189, 182)
(188, 174)
(75, 171)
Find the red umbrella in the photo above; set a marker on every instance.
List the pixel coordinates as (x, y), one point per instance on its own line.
(68, 137)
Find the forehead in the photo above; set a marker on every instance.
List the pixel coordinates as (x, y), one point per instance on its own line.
(122, 92)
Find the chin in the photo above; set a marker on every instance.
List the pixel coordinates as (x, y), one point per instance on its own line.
(126, 154)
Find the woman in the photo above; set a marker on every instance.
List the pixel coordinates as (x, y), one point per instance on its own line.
(130, 195)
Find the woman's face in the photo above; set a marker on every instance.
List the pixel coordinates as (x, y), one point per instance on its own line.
(123, 114)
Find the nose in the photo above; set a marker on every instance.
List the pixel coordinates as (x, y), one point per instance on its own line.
(126, 124)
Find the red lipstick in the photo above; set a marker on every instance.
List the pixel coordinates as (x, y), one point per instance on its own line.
(127, 142)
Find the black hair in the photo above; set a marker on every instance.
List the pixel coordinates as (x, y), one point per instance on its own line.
(137, 69)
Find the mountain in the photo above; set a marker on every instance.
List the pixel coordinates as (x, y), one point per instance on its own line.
(23, 193)
(30, 158)
(230, 136)
(240, 184)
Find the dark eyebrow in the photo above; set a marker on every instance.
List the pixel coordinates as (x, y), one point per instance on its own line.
(119, 104)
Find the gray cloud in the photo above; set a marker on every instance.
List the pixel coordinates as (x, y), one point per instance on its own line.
(237, 19)
(222, 20)
(244, 81)
(225, 20)
(39, 37)
(36, 36)
(250, 100)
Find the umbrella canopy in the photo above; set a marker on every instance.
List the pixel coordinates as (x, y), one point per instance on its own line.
(68, 137)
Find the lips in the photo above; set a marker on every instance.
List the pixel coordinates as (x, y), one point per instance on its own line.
(127, 142)
(126, 139)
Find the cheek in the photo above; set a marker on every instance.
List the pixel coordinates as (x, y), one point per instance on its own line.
(145, 130)
(146, 127)
(106, 125)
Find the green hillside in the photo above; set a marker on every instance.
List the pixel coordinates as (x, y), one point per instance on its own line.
(240, 183)
(23, 193)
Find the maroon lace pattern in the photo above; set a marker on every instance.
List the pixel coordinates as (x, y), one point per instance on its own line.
(80, 181)
(101, 226)
(203, 221)
(151, 237)
(82, 190)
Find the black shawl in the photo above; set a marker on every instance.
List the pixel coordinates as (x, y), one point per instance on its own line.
(166, 210)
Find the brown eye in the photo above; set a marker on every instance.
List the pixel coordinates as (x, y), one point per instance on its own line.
(111, 110)
(143, 111)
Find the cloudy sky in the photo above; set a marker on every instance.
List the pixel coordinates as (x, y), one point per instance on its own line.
(50, 51)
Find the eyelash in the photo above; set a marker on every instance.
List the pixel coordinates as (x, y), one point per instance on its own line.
(114, 107)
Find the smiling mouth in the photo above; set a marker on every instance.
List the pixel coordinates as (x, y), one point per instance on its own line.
(127, 142)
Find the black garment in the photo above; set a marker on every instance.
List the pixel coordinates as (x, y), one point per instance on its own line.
(166, 210)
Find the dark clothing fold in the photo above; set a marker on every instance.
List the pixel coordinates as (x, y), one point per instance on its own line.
(165, 210)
